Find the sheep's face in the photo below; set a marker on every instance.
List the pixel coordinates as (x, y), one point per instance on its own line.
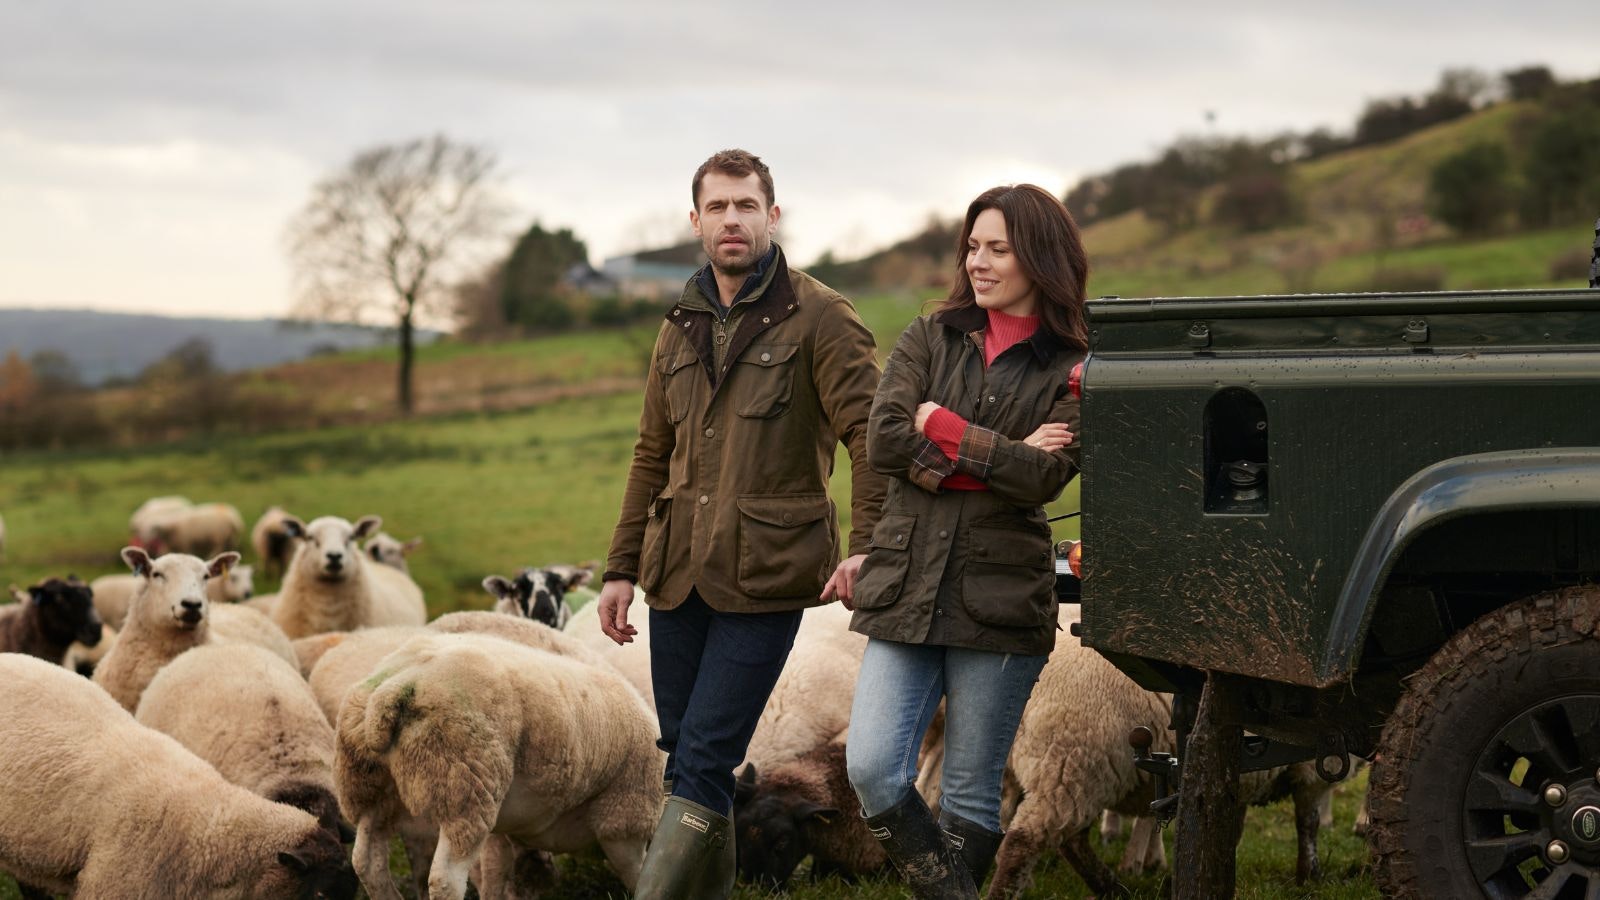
(772, 824)
(537, 594)
(238, 584)
(66, 610)
(329, 546)
(172, 588)
(385, 549)
(315, 869)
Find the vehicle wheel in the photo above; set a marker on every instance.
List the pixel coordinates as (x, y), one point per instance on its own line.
(1485, 782)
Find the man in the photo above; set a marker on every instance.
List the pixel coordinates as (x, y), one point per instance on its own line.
(758, 373)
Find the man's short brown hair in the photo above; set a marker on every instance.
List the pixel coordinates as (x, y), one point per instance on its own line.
(738, 164)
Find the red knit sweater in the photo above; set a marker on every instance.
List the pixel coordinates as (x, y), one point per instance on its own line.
(944, 427)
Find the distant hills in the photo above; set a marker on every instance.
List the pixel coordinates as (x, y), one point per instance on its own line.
(109, 346)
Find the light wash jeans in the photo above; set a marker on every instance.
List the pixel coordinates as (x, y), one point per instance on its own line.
(896, 696)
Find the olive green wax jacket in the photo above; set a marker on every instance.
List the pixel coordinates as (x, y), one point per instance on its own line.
(727, 492)
(971, 569)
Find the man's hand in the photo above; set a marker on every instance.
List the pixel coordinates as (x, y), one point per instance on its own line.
(843, 582)
(614, 599)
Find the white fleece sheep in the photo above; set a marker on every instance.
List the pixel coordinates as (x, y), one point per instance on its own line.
(391, 551)
(235, 623)
(332, 586)
(251, 716)
(113, 592)
(96, 806)
(271, 541)
(201, 530)
(167, 616)
(152, 514)
(554, 753)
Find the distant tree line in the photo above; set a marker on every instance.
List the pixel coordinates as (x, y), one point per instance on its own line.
(1252, 173)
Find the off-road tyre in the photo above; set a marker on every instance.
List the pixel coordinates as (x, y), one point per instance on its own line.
(1524, 676)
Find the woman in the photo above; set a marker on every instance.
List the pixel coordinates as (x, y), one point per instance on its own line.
(973, 420)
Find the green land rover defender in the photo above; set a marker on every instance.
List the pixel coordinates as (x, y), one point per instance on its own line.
(1362, 525)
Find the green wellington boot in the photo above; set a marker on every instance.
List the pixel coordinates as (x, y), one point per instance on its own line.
(972, 842)
(920, 852)
(691, 856)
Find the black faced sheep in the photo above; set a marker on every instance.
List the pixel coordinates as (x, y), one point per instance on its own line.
(56, 613)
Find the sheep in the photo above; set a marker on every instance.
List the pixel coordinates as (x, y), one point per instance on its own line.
(167, 617)
(308, 651)
(112, 592)
(251, 716)
(331, 586)
(55, 613)
(153, 513)
(803, 807)
(538, 594)
(390, 551)
(272, 542)
(201, 530)
(632, 660)
(554, 753)
(239, 624)
(95, 805)
(344, 664)
(266, 604)
(83, 659)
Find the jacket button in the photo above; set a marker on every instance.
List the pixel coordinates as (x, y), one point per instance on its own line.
(900, 539)
(944, 534)
(991, 398)
(766, 320)
(766, 357)
(677, 312)
(938, 611)
(704, 499)
(787, 518)
(711, 432)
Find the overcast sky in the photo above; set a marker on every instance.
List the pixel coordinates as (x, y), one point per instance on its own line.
(152, 152)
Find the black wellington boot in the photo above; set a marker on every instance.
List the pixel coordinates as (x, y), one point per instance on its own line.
(975, 844)
(920, 853)
(689, 857)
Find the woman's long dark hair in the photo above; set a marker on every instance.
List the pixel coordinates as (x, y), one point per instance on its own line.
(1049, 250)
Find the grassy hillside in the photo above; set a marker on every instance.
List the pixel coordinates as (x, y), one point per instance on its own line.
(1362, 225)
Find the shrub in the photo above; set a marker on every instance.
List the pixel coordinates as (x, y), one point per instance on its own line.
(1470, 191)
(1255, 202)
(1572, 265)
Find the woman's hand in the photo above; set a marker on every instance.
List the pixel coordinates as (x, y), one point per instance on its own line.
(1050, 437)
(927, 409)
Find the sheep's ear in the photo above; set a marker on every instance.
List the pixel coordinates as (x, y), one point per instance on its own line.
(294, 527)
(573, 576)
(744, 788)
(293, 862)
(409, 546)
(499, 587)
(823, 814)
(137, 560)
(365, 527)
(219, 566)
(376, 552)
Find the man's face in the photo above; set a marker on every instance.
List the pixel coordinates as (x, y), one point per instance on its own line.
(733, 222)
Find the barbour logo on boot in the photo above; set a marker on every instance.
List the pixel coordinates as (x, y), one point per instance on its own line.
(881, 834)
(956, 840)
(695, 822)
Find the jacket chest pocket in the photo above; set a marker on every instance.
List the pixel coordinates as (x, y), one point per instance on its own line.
(679, 373)
(786, 547)
(1009, 577)
(883, 575)
(762, 380)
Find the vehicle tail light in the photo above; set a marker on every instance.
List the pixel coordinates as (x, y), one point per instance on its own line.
(1075, 381)
(1075, 558)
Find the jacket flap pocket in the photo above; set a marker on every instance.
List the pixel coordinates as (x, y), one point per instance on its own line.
(1010, 547)
(786, 512)
(672, 362)
(769, 354)
(893, 532)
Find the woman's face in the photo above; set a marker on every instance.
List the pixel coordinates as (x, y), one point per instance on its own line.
(997, 279)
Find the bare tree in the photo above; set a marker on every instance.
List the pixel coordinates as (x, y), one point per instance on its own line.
(391, 232)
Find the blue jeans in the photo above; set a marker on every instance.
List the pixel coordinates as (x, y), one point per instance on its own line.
(896, 697)
(712, 673)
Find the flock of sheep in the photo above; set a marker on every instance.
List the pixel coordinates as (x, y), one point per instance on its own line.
(230, 745)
